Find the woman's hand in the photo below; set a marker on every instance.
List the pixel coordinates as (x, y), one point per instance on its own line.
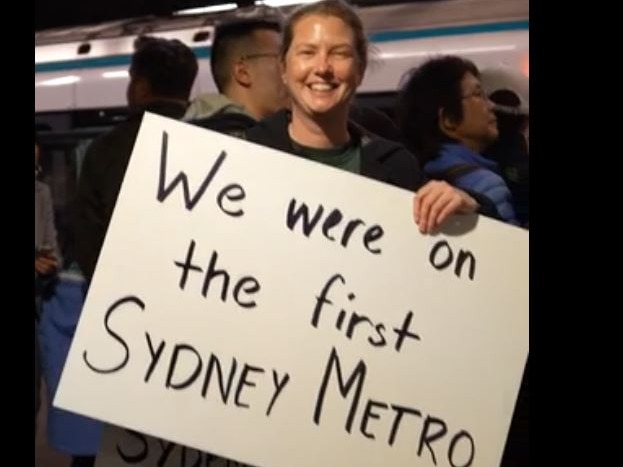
(436, 201)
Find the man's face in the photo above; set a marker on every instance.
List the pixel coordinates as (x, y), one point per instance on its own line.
(263, 67)
(138, 92)
(132, 92)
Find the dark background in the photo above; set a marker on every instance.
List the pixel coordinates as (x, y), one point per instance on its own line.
(58, 13)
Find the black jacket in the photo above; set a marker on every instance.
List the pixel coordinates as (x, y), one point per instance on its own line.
(381, 159)
(229, 123)
(100, 180)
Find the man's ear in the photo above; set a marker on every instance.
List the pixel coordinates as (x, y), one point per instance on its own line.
(446, 123)
(141, 89)
(241, 73)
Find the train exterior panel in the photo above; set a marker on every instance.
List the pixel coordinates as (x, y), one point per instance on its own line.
(86, 67)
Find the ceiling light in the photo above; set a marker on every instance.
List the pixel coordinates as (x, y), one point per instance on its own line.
(276, 3)
(207, 9)
(63, 80)
(115, 74)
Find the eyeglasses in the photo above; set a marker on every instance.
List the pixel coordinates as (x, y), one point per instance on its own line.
(260, 55)
(477, 93)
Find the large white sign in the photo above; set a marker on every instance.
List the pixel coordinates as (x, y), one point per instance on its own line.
(282, 313)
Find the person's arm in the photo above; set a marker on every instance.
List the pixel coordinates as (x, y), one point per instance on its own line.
(434, 201)
(48, 257)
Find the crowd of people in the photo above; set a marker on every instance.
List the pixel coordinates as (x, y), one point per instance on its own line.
(459, 144)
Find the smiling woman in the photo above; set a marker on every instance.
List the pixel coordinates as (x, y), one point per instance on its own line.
(324, 58)
(323, 67)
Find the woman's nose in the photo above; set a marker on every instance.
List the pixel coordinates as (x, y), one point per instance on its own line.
(323, 64)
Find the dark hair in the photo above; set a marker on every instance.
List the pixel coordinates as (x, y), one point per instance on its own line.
(434, 86)
(226, 37)
(338, 9)
(169, 66)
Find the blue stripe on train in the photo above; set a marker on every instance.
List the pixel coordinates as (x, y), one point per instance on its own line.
(101, 62)
(386, 36)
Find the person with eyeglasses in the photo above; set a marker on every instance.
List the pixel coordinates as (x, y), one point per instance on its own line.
(448, 121)
(245, 69)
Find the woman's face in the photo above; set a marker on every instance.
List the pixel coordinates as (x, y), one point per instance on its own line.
(478, 129)
(321, 67)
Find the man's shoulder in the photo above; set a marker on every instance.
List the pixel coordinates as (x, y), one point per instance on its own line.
(123, 133)
(230, 123)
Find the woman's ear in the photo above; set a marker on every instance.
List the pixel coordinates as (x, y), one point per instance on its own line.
(446, 123)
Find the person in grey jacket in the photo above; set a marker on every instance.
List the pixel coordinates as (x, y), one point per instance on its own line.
(47, 258)
(47, 252)
(245, 65)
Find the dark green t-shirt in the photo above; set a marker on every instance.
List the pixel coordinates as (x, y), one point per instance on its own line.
(347, 157)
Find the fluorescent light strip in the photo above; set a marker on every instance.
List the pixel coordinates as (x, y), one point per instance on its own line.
(115, 74)
(207, 9)
(466, 50)
(62, 81)
(276, 3)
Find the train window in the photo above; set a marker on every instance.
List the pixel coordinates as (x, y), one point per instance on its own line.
(61, 159)
(202, 36)
(81, 119)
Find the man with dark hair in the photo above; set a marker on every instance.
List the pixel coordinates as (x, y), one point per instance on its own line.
(161, 70)
(245, 67)
(162, 73)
